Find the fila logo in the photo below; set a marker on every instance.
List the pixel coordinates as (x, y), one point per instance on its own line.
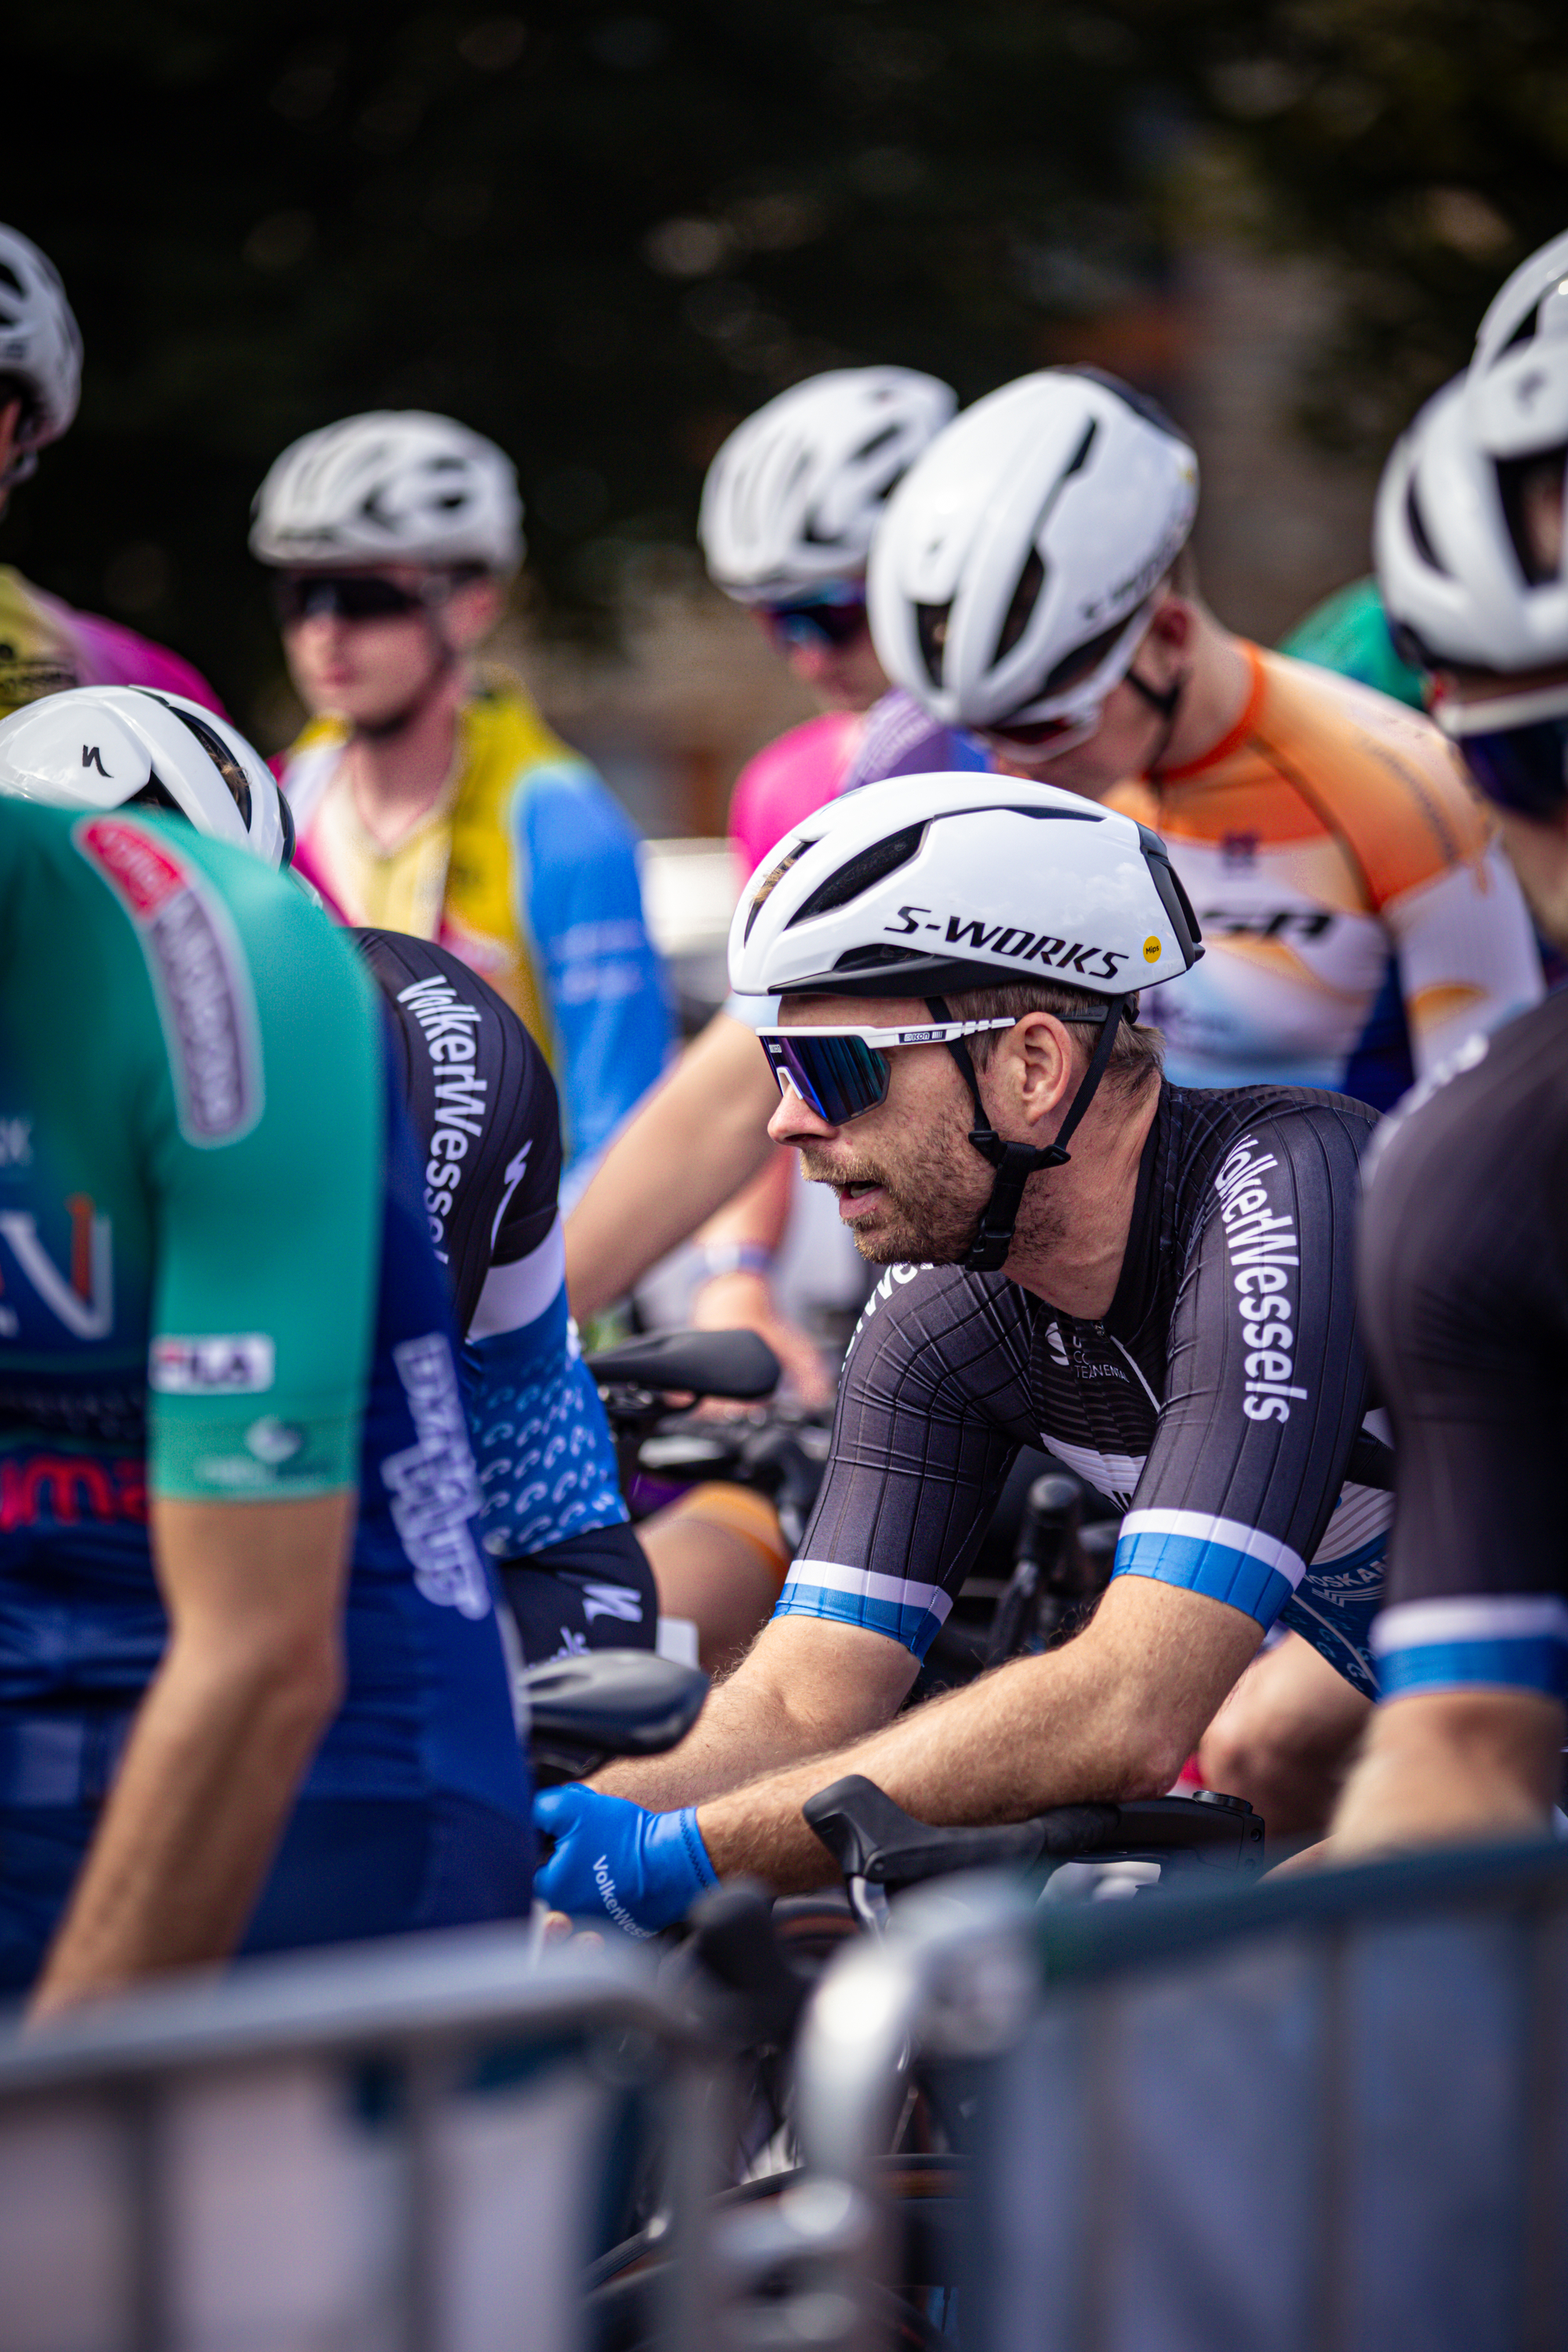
(238, 1363)
(91, 756)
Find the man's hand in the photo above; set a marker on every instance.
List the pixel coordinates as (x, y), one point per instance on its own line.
(613, 1861)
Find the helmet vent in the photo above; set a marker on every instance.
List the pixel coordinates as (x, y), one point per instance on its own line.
(873, 864)
(874, 959)
(217, 752)
(9, 279)
(769, 884)
(930, 628)
(1517, 476)
(888, 434)
(1025, 596)
(1423, 547)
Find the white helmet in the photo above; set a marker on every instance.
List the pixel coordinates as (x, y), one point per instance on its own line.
(928, 884)
(40, 346)
(793, 496)
(1457, 578)
(1517, 389)
(1013, 572)
(394, 487)
(103, 747)
(962, 881)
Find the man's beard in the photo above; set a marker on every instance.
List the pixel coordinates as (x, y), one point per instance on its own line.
(923, 1219)
(920, 1220)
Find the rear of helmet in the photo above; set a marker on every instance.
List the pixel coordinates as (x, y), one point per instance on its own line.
(792, 500)
(1016, 554)
(105, 747)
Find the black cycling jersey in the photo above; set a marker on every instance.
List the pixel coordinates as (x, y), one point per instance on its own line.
(483, 1108)
(1217, 1402)
(1465, 1305)
(483, 1104)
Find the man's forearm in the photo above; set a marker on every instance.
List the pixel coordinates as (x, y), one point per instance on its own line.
(803, 1689)
(1445, 1767)
(1112, 1714)
(696, 1141)
(208, 1778)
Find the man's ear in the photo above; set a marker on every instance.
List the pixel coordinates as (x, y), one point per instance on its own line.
(1040, 1065)
(1172, 629)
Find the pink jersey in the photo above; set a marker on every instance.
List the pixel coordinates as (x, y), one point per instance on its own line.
(793, 777)
(790, 779)
(45, 647)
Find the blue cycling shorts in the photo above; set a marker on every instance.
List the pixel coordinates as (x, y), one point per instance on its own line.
(348, 1868)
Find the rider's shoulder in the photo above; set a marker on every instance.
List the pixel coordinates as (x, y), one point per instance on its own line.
(1211, 1126)
(1383, 773)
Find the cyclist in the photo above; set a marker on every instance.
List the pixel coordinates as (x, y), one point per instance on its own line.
(1464, 1245)
(482, 1106)
(44, 646)
(1349, 633)
(1033, 580)
(430, 797)
(193, 1380)
(1156, 1285)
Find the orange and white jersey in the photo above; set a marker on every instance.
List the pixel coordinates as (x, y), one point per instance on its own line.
(1360, 921)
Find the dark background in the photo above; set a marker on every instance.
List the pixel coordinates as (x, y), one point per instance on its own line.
(602, 238)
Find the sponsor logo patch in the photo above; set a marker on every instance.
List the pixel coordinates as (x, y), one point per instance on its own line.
(231, 1363)
(199, 975)
(433, 1485)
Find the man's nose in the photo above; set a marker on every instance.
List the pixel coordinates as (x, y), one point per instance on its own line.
(794, 1121)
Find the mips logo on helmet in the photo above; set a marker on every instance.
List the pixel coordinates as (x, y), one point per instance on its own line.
(968, 932)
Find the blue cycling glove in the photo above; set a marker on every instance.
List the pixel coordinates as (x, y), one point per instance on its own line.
(614, 1861)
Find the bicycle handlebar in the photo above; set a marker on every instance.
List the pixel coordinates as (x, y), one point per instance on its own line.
(872, 1839)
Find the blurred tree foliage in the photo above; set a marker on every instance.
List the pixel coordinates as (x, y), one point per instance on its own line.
(604, 237)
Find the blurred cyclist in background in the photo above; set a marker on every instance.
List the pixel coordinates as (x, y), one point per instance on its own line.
(1464, 1238)
(430, 797)
(44, 646)
(1032, 580)
(1349, 633)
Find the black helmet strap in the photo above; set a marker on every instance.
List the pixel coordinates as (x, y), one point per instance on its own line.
(1015, 1162)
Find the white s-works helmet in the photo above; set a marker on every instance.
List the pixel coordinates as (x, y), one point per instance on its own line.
(106, 747)
(392, 486)
(926, 885)
(962, 881)
(40, 346)
(793, 499)
(1013, 571)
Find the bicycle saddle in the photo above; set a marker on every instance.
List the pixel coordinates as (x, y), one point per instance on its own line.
(871, 1838)
(739, 1364)
(613, 1701)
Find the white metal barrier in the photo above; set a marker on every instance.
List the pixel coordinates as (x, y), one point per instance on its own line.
(1329, 2114)
(397, 2148)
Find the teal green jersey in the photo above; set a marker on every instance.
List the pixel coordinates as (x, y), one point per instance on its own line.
(1348, 632)
(190, 1160)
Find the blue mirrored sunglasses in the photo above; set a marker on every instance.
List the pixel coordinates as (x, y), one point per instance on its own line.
(841, 1073)
(834, 619)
